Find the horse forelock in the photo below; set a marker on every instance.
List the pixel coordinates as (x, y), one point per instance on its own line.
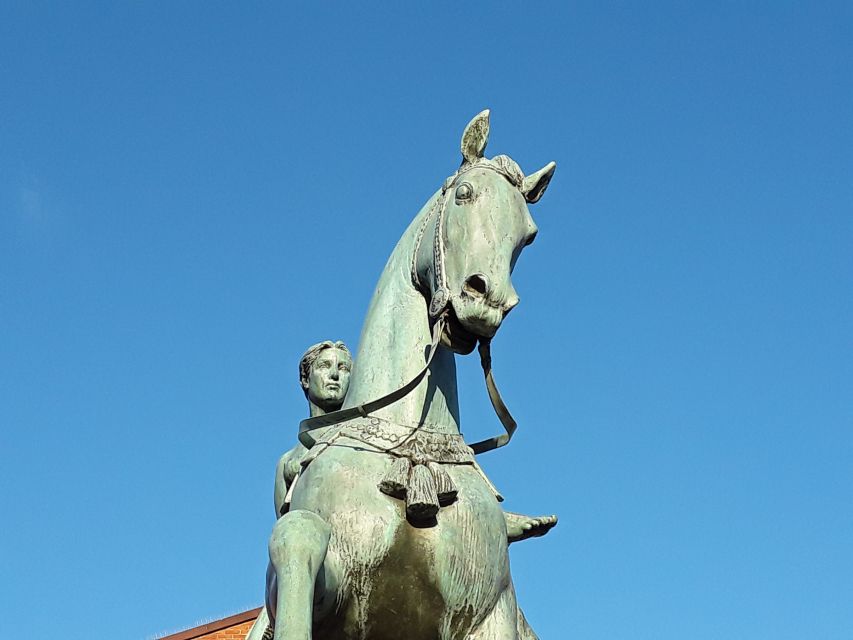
(501, 164)
(509, 168)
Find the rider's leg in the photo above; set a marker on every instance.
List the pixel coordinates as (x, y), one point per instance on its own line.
(521, 527)
(297, 549)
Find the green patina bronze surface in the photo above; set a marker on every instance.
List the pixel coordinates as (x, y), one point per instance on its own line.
(387, 527)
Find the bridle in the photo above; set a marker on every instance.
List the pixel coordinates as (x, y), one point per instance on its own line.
(440, 300)
(439, 309)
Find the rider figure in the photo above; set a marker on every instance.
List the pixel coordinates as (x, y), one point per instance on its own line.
(324, 372)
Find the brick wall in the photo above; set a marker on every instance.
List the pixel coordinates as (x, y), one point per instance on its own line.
(231, 628)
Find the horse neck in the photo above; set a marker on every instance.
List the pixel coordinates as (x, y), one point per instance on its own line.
(393, 345)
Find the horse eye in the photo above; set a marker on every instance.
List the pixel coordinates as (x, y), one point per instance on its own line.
(464, 192)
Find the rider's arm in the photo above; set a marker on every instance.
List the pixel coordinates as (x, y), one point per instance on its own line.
(285, 472)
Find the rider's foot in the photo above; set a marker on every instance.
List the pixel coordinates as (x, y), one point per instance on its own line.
(521, 527)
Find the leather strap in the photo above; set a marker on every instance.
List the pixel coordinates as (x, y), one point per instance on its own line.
(508, 422)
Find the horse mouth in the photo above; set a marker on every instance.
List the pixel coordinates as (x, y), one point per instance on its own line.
(456, 337)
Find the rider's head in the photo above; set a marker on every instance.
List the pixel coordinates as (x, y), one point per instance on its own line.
(324, 374)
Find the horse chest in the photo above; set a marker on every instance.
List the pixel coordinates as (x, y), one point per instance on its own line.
(393, 574)
(429, 581)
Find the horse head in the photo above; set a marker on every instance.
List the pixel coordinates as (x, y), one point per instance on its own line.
(479, 224)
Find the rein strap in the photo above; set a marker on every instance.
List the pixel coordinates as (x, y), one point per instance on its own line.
(508, 422)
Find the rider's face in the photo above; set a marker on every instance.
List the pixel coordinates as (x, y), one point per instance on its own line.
(328, 379)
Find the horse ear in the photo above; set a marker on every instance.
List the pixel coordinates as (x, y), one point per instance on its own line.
(535, 184)
(475, 137)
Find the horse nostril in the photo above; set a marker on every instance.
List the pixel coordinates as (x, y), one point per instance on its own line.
(477, 285)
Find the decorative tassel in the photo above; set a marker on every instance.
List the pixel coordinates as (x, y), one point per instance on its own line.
(397, 479)
(421, 498)
(444, 486)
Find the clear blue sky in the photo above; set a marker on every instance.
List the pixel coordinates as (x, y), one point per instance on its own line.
(193, 192)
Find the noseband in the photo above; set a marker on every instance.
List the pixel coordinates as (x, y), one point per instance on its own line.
(439, 308)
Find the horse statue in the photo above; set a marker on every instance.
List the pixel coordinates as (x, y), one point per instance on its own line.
(392, 529)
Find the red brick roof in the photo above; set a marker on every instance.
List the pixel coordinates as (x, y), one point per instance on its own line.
(231, 628)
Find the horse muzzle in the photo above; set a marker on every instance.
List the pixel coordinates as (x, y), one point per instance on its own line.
(472, 318)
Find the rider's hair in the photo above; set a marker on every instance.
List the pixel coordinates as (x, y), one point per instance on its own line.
(312, 354)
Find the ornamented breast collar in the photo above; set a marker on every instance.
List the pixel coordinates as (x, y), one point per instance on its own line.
(417, 475)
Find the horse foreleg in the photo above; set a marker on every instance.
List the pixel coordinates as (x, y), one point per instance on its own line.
(297, 549)
(502, 622)
(524, 630)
